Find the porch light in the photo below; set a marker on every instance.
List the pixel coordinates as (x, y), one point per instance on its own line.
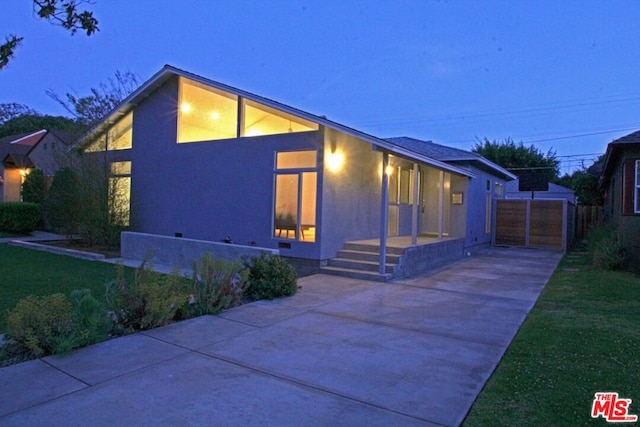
(185, 107)
(335, 161)
(389, 170)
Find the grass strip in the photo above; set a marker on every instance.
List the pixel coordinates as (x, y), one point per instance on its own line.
(25, 272)
(582, 337)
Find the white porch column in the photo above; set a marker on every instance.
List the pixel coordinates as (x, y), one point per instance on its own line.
(441, 206)
(384, 214)
(414, 212)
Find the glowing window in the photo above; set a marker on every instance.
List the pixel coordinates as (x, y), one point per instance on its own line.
(117, 137)
(296, 159)
(262, 120)
(120, 193)
(205, 113)
(295, 196)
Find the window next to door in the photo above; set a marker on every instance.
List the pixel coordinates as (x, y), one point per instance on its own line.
(295, 191)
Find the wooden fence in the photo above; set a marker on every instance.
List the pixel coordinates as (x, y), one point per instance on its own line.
(534, 223)
(587, 218)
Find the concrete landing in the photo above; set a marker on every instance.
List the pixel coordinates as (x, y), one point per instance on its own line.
(340, 352)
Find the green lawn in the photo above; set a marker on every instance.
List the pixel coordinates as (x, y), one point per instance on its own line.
(25, 272)
(582, 337)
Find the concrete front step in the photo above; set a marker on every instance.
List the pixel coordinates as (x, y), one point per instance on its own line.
(367, 256)
(363, 247)
(360, 265)
(357, 274)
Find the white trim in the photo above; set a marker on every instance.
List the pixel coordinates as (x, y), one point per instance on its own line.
(28, 136)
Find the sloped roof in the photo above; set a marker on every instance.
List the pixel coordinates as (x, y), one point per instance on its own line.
(613, 150)
(448, 154)
(168, 72)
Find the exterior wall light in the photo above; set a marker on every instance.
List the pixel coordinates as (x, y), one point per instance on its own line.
(389, 170)
(335, 161)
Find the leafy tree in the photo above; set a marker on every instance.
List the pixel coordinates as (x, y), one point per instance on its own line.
(518, 158)
(34, 122)
(65, 13)
(13, 110)
(89, 109)
(584, 182)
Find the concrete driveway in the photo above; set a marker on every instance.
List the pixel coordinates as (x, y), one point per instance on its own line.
(340, 352)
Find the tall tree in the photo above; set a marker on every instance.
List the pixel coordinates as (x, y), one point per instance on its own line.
(89, 109)
(518, 158)
(65, 13)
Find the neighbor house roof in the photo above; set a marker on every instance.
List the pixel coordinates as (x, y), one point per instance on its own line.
(14, 148)
(168, 72)
(613, 150)
(448, 154)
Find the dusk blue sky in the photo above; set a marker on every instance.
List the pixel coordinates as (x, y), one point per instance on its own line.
(558, 74)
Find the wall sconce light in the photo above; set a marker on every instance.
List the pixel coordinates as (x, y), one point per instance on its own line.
(335, 161)
(389, 170)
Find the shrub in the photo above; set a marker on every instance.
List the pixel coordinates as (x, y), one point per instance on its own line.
(34, 188)
(90, 321)
(269, 276)
(151, 300)
(37, 325)
(217, 285)
(19, 217)
(606, 250)
(64, 205)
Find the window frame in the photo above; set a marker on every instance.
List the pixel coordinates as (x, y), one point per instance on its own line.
(300, 173)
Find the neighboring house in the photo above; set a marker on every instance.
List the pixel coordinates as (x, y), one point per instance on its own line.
(20, 154)
(202, 160)
(620, 180)
(554, 192)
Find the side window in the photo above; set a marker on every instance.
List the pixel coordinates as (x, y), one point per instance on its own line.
(295, 194)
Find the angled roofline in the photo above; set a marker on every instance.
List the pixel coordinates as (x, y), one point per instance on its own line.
(168, 71)
(43, 131)
(467, 156)
(613, 146)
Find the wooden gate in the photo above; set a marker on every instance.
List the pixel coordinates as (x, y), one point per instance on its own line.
(532, 223)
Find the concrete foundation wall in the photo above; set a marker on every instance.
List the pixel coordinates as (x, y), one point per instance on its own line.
(179, 252)
(419, 259)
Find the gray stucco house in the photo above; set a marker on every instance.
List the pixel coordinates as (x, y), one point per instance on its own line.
(620, 180)
(198, 159)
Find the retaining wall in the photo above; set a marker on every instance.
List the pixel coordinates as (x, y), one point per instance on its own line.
(180, 252)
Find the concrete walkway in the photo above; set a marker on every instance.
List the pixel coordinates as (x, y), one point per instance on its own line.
(340, 352)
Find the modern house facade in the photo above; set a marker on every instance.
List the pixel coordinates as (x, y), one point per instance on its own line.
(20, 154)
(201, 160)
(620, 180)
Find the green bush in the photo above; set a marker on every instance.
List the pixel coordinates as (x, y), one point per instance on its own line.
(269, 276)
(606, 250)
(34, 188)
(217, 285)
(38, 325)
(19, 217)
(89, 318)
(64, 205)
(151, 300)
